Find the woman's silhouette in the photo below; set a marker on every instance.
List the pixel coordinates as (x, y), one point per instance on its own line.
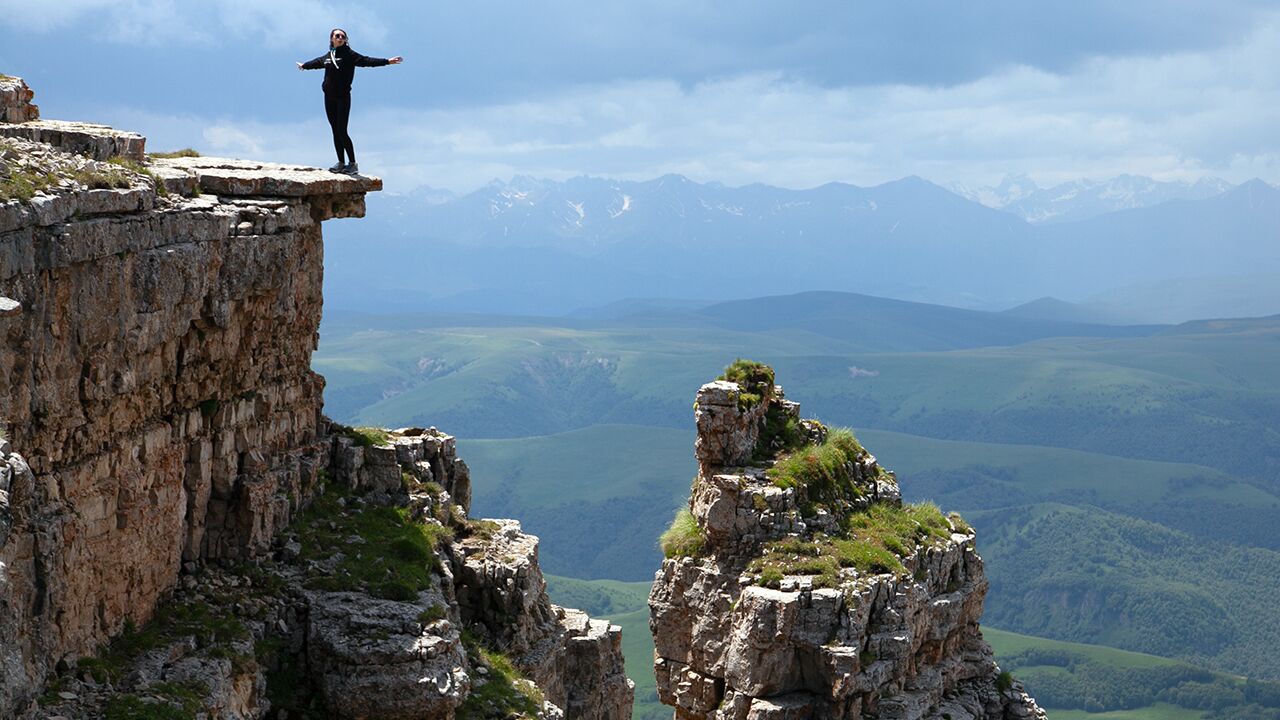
(339, 70)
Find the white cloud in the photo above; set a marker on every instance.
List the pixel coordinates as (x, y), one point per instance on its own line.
(279, 23)
(232, 141)
(1177, 116)
(43, 17)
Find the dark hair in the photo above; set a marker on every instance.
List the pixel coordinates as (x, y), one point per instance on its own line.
(344, 32)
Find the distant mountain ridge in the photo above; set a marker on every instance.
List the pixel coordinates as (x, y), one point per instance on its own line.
(1082, 199)
(535, 246)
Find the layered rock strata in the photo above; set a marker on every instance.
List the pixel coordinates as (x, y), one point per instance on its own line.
(160, 419)
(768, 620)
(295, 633)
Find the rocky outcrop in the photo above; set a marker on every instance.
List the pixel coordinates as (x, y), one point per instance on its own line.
(162, 433)
(377, 658)
(158, 384)
(576, 661)
(15, 101)
(811, 591)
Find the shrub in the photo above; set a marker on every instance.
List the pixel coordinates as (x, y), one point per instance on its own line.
(684, 538)
(1004, 681)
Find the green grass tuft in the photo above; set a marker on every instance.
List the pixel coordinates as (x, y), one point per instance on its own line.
(1004, 681)
(23, 185)
(781, 433)
(875, 540)
(755, 379)
(211, 626)
(133, 707)
(184, 152)
(141, 169)
(505, 694)
(368, 436)
(395, 561)
(684, 538)
(822, 472)
(432, 614)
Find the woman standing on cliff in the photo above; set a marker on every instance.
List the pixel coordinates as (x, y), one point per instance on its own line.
(339, 70)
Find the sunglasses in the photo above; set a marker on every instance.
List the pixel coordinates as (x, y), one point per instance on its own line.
(340, 35)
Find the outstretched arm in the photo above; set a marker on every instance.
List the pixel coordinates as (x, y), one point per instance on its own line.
(313, 64)
(365, 61)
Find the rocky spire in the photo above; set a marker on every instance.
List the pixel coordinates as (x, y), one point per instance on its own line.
(798, 585)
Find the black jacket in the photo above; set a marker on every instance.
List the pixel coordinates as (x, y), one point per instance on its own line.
(340, 67)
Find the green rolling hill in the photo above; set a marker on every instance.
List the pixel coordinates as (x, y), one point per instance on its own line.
(1125, 484)
(598, 497)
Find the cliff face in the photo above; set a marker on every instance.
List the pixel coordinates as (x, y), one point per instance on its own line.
(162, 430)
(804, 588)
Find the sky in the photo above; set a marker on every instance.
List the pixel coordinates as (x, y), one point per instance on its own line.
(733, 91)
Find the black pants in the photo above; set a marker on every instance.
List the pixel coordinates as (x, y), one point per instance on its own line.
(337, 105)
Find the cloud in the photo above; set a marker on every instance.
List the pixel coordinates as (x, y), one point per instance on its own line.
(1177, 116)
(173, 24)
(1200, 111)
(232, 140)
(43, 17)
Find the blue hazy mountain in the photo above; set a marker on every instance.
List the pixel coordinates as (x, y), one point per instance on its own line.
(1082, 199)
(536, 246)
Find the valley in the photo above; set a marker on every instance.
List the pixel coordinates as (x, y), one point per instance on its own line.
(1122, 479)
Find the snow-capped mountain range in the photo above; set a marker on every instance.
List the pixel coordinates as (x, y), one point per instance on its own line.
(1082, 199)
(542, 246)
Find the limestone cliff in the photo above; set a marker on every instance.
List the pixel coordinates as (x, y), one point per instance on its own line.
(798, 585)
(171, 496)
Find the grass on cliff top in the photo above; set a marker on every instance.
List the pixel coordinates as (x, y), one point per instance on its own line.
(22, 184)
(140, 169)
(505, 693)
(211, 625)
(367, 436)
(21, 181)
(380, 550)
(755, 379)
(780, 434)
(184, 152)
(163, 701)
(875, 540)
(821, 473)
(684, 538)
